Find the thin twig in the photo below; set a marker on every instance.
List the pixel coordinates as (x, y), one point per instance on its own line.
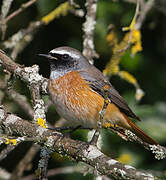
(6, 4)
(43, 163)
(88, 28)
(102, 114)
(144, 10)
(131, 30)
(18, 11)
(21, 167)
(6, 151)
(4, 174)
(18, 41)
(21, 100)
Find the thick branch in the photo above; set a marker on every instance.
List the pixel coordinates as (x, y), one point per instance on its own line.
(89, 154)
(29, 74)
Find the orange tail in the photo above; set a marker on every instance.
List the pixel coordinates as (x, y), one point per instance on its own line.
(136, 130)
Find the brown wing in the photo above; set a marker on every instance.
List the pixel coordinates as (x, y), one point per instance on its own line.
(97, 82)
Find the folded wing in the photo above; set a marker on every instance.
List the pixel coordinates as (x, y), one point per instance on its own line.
(97, 81)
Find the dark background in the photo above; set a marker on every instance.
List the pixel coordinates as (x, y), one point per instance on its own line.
(148, 66)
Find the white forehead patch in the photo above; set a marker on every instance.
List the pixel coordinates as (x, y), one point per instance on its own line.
(62, 51)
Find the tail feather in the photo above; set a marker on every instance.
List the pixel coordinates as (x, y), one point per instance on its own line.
(136, 130)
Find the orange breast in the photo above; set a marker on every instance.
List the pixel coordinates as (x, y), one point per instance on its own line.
(78, 103)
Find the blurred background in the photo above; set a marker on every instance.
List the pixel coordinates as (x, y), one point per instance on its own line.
(147, 66)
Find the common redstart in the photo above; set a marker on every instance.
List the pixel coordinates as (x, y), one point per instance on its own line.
(76, 89)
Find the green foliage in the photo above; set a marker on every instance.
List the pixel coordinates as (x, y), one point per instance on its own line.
(131, 64)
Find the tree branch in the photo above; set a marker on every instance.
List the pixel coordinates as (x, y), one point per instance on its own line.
(55, 141)
(21, 167)
(18, 11)
(144, 10)
(28, 74)
(13, 125)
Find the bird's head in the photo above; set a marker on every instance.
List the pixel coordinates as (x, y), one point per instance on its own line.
(65, 59)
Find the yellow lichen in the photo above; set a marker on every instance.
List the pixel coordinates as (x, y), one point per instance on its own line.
(112, 39)
(124, 158)
(136, 36)
(106, 87)
(107, 101)
(131, 39)
(131, 27)
(41, 122)
(112, 68)
(107, 125)
(11, 141)
(128, 77)
(60, 10)
(136, 41)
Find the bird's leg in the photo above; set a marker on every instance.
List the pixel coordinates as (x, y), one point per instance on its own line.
(96, 134)
(102, 114)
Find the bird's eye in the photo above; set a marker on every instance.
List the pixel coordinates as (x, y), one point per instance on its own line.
(65, 56)
(52, 54)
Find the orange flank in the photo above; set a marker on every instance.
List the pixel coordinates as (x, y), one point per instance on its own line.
(80, 105)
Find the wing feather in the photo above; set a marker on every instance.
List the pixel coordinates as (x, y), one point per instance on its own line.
(97, 81)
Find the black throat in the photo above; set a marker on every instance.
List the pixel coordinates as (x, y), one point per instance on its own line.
(60, 68)
(63, 65)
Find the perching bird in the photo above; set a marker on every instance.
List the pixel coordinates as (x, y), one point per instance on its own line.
(77, 90)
